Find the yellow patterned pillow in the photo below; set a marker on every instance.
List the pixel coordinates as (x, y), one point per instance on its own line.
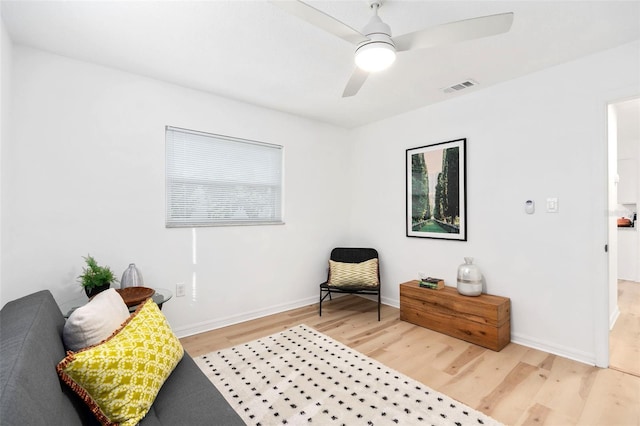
(353, 274)
(120, 377)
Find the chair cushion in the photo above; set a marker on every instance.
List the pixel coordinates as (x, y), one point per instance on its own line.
(119, 378)
(342, 274)
(94, 322)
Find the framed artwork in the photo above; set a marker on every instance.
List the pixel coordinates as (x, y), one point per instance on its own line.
(437, 191)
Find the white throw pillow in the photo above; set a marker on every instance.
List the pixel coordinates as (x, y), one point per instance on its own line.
(94, 322)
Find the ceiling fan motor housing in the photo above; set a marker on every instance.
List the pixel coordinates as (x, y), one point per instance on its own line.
(378, 51)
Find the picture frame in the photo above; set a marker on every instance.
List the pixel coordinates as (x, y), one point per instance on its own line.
(436, 182)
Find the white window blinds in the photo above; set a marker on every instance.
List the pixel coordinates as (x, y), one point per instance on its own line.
(215, 180)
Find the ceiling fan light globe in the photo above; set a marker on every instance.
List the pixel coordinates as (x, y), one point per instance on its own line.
(374, 57)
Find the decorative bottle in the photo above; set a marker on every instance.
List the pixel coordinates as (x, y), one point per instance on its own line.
(131, 277)
(469, 278)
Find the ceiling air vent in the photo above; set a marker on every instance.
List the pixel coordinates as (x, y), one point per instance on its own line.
(460, 86)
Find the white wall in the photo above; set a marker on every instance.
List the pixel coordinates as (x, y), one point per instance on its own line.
(543, 135)
(85, 174)
(5, 97)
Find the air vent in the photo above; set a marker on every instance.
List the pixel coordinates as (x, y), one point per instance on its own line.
(460, 86)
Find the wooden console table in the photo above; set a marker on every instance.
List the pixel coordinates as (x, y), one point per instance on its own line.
(484, 320)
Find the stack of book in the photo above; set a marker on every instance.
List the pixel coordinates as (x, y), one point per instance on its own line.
(433, 283)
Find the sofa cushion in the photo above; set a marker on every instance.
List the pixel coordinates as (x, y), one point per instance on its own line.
(120, 377)
(94, 322)
(353, 274)
(188, 387)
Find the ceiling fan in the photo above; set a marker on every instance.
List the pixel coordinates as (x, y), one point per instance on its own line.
(376, 48)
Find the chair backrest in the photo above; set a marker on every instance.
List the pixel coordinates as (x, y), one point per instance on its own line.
(353, 255)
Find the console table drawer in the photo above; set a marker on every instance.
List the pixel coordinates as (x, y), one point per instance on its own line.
(484, 320)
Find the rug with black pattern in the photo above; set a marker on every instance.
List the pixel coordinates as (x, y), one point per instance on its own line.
(301, 377)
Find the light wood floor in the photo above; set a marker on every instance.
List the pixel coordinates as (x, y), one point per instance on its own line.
(517, 386)
(624, 340)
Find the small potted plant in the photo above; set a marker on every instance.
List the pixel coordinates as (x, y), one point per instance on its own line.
(95, 278)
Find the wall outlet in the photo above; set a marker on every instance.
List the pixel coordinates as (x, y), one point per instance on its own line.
(180, 290)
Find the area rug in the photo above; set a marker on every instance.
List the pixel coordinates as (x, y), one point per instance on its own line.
(301, 377)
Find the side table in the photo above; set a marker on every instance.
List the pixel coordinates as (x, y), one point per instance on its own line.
(160, 296)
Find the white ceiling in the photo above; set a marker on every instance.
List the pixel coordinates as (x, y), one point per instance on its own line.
(255, 52)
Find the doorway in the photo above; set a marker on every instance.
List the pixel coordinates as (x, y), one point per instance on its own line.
(624, 235)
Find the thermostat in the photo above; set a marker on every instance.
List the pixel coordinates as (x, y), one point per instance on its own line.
(529, 206)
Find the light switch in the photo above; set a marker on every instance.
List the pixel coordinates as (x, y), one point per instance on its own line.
(552, 205)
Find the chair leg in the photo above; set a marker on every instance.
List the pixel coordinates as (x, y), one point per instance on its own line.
(378, 305)
(322, 298)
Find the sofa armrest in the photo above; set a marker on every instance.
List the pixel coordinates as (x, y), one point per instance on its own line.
(30, 347)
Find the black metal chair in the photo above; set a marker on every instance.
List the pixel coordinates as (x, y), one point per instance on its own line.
(351, 255)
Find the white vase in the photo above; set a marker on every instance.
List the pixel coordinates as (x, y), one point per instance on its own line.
(131, 277)
(469, 278)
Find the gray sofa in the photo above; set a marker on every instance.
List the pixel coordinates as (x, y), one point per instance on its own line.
(32, 394)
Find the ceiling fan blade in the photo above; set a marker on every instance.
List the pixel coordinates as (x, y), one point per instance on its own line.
(454, 32)
(320, 19)
(355, 82)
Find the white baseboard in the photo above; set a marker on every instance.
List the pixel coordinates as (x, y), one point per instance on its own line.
(205, 326)
(383, 300)
(201, 327)
(563, 351)
(391, 302)
(613, 318)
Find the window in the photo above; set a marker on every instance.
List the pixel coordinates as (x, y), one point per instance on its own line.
(215, 180)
